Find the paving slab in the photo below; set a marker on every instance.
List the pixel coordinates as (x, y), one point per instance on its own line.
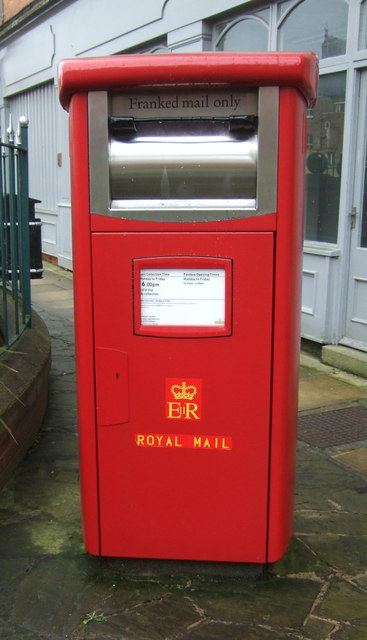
(355, 459)
(322, 391)
(51, 589)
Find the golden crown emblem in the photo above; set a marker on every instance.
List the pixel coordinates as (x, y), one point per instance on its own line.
(184, 391)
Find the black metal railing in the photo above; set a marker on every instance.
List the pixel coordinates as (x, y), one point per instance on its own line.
(15, 290)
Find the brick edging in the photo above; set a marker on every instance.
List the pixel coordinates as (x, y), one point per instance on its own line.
(23, 394)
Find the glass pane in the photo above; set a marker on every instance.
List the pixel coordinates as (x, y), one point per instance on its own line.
(248, 34)
(363, 26)
(316, 26)
(363, 242)
(284, 6)
(324, 157)
(183, 297)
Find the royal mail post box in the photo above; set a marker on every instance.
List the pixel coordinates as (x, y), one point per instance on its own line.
(187, 199)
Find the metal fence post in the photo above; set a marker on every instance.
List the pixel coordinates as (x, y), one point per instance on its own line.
(15, 298)
(23, 219)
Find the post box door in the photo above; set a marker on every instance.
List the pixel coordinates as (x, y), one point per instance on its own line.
(183, 408)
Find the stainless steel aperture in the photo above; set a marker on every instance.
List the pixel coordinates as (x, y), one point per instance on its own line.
(184, 156)
(183, 159)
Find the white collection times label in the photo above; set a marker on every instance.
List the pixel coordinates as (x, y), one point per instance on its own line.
(183, 297)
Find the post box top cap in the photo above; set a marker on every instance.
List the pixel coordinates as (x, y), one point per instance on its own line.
(117, 73)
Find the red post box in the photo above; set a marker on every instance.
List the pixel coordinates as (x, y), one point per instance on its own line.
(187, 199)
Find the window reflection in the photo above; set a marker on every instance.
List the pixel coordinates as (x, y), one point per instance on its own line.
(324, 158)
(319, 26)
(315, 26)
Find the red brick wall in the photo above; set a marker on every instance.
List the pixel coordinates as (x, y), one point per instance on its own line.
(12, 7)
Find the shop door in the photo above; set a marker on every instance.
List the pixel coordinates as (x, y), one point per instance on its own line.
(356, 325)
(181, 480)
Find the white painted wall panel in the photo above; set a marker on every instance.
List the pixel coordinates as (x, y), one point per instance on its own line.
(38, 105)
(38, 58)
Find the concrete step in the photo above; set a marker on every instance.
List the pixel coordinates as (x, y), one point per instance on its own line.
(345, 358)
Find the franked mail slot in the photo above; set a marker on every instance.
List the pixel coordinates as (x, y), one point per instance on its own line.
(184, 155)
(183, 159)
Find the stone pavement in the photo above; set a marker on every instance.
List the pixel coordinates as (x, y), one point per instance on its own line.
(51, 589)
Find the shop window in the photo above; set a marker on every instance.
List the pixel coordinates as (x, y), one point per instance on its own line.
(363, 26)
(311, 25)
(309, 141)
(250, 33)
(363, 240)
(323, 165)
(306, 25)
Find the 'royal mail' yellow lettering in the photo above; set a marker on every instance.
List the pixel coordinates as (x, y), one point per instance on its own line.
(163, 440)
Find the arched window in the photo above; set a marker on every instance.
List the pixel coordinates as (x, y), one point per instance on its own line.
(311, 25)
(307, 25)
(158, 46)
(159, 49)
(250, 33)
